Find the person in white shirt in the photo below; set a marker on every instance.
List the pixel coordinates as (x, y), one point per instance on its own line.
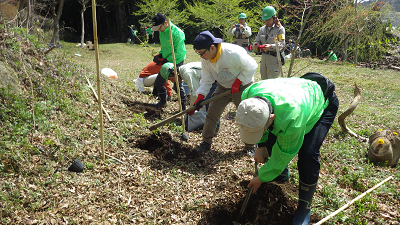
(232, 68)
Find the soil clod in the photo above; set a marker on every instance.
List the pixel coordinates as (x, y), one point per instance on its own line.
(149, 110)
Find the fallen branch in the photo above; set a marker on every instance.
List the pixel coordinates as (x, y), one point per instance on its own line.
(352, 201)
(394, 67)
(94, 92)
(46, 52)
(115, 158)
(353, 105)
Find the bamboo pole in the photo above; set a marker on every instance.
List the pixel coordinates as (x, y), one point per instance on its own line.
(278, 56)
(96, 48)
(95, 95)
(352, 201)
(176, 74)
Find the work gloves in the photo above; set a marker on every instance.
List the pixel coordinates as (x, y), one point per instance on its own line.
(236, 86)
(159, 60)
(197, 104)
(261, 48)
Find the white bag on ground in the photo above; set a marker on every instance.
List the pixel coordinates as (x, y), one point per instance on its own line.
(109, 73)
(195, 120)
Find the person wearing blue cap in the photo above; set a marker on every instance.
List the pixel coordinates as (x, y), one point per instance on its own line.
(232, 68)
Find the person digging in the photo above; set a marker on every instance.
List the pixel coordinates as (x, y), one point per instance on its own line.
(285, 117)
(232, 68)
(190, 74)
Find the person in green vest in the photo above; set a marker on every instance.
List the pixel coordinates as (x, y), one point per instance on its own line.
(286, 117)
(161, 84)
(133, 32)
(332, 56)
(149, 32)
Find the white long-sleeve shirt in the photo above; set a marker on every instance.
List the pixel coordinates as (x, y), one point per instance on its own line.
(234, 62)
(191, 75)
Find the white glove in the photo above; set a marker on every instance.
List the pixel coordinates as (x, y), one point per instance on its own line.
(139, 84)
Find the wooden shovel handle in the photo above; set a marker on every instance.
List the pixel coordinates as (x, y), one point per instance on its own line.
(191, 108)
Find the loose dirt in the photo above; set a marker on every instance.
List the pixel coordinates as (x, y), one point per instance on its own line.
(273, 203)
(150, 112)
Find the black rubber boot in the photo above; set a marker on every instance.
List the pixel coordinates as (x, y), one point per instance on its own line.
(155, 92)
(303, 211)
(163, 100)
(183, 103)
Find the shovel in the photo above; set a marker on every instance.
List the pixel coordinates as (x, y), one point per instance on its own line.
(246, 199)
(191, 108)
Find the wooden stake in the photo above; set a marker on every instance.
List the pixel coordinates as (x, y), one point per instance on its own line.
(278, 56)
(176, 74)
(96, 48)
(352, 201)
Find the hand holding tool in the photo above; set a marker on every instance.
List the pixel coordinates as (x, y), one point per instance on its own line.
(235, 86)
(246, 199)
(191, 108)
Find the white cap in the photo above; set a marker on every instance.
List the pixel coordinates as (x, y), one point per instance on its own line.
(251, 116)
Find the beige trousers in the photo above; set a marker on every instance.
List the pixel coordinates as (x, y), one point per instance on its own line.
(269, 67)
(216, 109)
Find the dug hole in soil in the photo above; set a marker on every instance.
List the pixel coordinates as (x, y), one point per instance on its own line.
(271, 204)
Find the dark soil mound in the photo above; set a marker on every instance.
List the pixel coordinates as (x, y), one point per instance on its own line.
(150, 112)
(270, 205)
(164, 147)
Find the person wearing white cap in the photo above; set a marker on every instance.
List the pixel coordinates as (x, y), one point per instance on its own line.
(162, 85)
(232, 68)
(285, 117)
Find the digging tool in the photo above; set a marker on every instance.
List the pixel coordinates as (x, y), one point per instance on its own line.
(246, 199)
(184, 137)
(191, 108)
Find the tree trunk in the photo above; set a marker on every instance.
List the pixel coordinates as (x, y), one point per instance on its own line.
(358, 34)
(22, 9)
(56, 22)
(120, 26)
(303, 23)
(83, 25)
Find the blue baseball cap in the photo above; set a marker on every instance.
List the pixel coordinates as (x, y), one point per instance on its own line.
(204, 40)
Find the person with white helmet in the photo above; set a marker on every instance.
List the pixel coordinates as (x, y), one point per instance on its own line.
(284, 125)
(265, 43)
(241, 31)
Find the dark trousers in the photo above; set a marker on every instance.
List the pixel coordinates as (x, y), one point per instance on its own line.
(308, 163)
(159, 84)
